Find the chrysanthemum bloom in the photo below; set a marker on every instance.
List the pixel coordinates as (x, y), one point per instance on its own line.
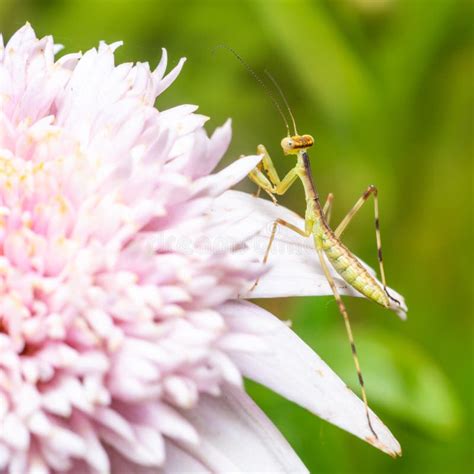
(123, 340)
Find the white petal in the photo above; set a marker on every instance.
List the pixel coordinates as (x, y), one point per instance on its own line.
(159, 72)
(14, 432)
(121, 465)
(218, 144)
(95, 455)
(18, 462)
(150, 439)
(133, 451)
(217, 183)
(57, 48)
(39, 424)
(227, 368)
(66, 442)
(294, 268)
(55, 402)
(296, 372)
(164, 83)
(179, 460)
(114, 422)
(236, 436)
(242, 343)
(4, 456)
(169, 422)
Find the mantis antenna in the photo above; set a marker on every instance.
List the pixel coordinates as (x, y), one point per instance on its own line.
(263, 85)
(278, 88)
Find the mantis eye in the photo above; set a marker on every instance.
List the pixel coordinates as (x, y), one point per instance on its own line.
(287, 144)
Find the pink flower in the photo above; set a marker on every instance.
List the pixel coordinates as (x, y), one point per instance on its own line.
(123, 340)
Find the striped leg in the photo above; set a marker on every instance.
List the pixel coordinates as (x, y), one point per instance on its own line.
(304, 233)
(328, 207)
(345, 315)
(371, 190)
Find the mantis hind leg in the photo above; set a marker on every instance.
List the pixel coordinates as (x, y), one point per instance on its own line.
(370, 191)
(308, 223)
(304, 233)
(345, 315)
(328, 207)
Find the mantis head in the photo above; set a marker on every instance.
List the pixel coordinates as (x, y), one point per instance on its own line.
(292, 145)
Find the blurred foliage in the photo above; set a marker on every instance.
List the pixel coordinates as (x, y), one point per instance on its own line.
(386, 88)
(405, 374)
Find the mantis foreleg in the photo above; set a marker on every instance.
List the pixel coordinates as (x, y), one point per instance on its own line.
(266, 177)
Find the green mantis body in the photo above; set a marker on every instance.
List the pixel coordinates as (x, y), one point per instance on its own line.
(327, 241)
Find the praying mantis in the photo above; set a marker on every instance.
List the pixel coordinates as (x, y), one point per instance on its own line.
(327, 242)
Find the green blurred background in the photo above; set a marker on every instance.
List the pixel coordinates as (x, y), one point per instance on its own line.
(385, 86)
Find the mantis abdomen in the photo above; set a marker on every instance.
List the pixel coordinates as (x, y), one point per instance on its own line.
(350, 269)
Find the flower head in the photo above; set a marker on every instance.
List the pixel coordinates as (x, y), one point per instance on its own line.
(121, 335)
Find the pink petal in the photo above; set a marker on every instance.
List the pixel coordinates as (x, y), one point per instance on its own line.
(253, 444)
(295, 371)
